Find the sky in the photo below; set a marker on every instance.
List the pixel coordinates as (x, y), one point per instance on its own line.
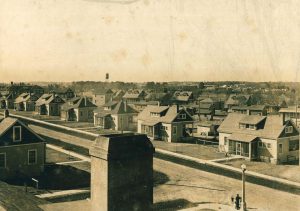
(150, 40)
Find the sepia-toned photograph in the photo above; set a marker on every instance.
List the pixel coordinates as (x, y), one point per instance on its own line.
(149, 105)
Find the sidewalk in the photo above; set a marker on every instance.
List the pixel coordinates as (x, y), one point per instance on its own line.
(61, 193)
(74, 154)
(214, 167)
(215, 207)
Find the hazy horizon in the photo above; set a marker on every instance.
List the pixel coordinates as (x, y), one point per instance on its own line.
(150, 40)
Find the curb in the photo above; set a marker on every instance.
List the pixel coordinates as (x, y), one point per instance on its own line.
(216, 168)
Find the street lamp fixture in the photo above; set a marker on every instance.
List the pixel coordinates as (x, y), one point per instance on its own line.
(243, 166)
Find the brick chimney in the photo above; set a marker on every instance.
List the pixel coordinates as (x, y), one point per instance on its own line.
(283, 118)
(125, 105)
(6, 113)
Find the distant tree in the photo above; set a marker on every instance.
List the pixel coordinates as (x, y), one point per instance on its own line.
(150, 85)
(201, 85)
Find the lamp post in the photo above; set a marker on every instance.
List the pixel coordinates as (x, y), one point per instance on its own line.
(243, 166)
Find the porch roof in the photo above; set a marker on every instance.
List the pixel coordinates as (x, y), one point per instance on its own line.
(101, 115)
(242, 137)
(151, 122)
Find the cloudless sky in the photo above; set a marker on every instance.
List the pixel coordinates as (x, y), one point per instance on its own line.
(150, 40)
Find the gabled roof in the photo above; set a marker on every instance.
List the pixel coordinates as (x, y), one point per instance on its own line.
(242, 137)
(77, 102)
(145, 114)
(182, 95)
(25, 97)
(119, 108)
(256, 107)
(123, 108)
(220, 113)
(252, 119)
(8, 122)
(110, 104)
(158, 96)
(133, 94)
(290, 109)
(210, 100)
(103, 92)
(46, 99)
(205, 106)
(271, 128)
(235, 99)
(168, 114)
(251, 108)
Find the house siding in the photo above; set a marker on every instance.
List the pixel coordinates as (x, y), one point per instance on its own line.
(222, 146)
(283, 157)
(84, 114)
(17, 160)
(268, 154)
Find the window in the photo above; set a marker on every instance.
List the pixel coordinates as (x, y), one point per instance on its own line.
(174, 130)
(252, 127)
(280, 148)
(32, 156)
(293, 145)
(154, 114)
(2, 160)
(81, 113)
(17, 133)
(242, 126)
(182, 116)
(164, 128)
(130, 119)
(289, 129)
(261, 144)
(269, 145)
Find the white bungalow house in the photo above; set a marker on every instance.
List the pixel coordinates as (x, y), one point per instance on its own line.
(116, 116)
(266, 138)
(167, 123)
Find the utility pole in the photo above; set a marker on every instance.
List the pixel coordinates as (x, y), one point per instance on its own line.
(243, 187)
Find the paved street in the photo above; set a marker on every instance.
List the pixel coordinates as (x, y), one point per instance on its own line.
(184, 187)
(201, 187)
(179, 187)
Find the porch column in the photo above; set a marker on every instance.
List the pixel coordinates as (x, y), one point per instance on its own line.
(153, 132)
(250, 148)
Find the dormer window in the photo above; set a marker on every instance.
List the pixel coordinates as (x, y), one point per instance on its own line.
(182, 116)
(289, 129)
(154, 114)
(242, 126)
(17, 136)
(252, 127)
(107, 108)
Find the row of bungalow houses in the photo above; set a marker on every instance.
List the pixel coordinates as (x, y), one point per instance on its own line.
(240, 127)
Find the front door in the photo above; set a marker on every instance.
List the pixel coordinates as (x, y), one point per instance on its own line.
(238, 148)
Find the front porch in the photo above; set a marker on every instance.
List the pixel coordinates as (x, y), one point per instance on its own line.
(105, 121)
(151, 129)
(243, 145)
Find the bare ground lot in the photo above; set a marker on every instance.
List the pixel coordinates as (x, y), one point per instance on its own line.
(53, 156)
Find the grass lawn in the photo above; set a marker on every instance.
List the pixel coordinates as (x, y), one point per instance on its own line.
(289, 172)
(193, 150)
(53, 156)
